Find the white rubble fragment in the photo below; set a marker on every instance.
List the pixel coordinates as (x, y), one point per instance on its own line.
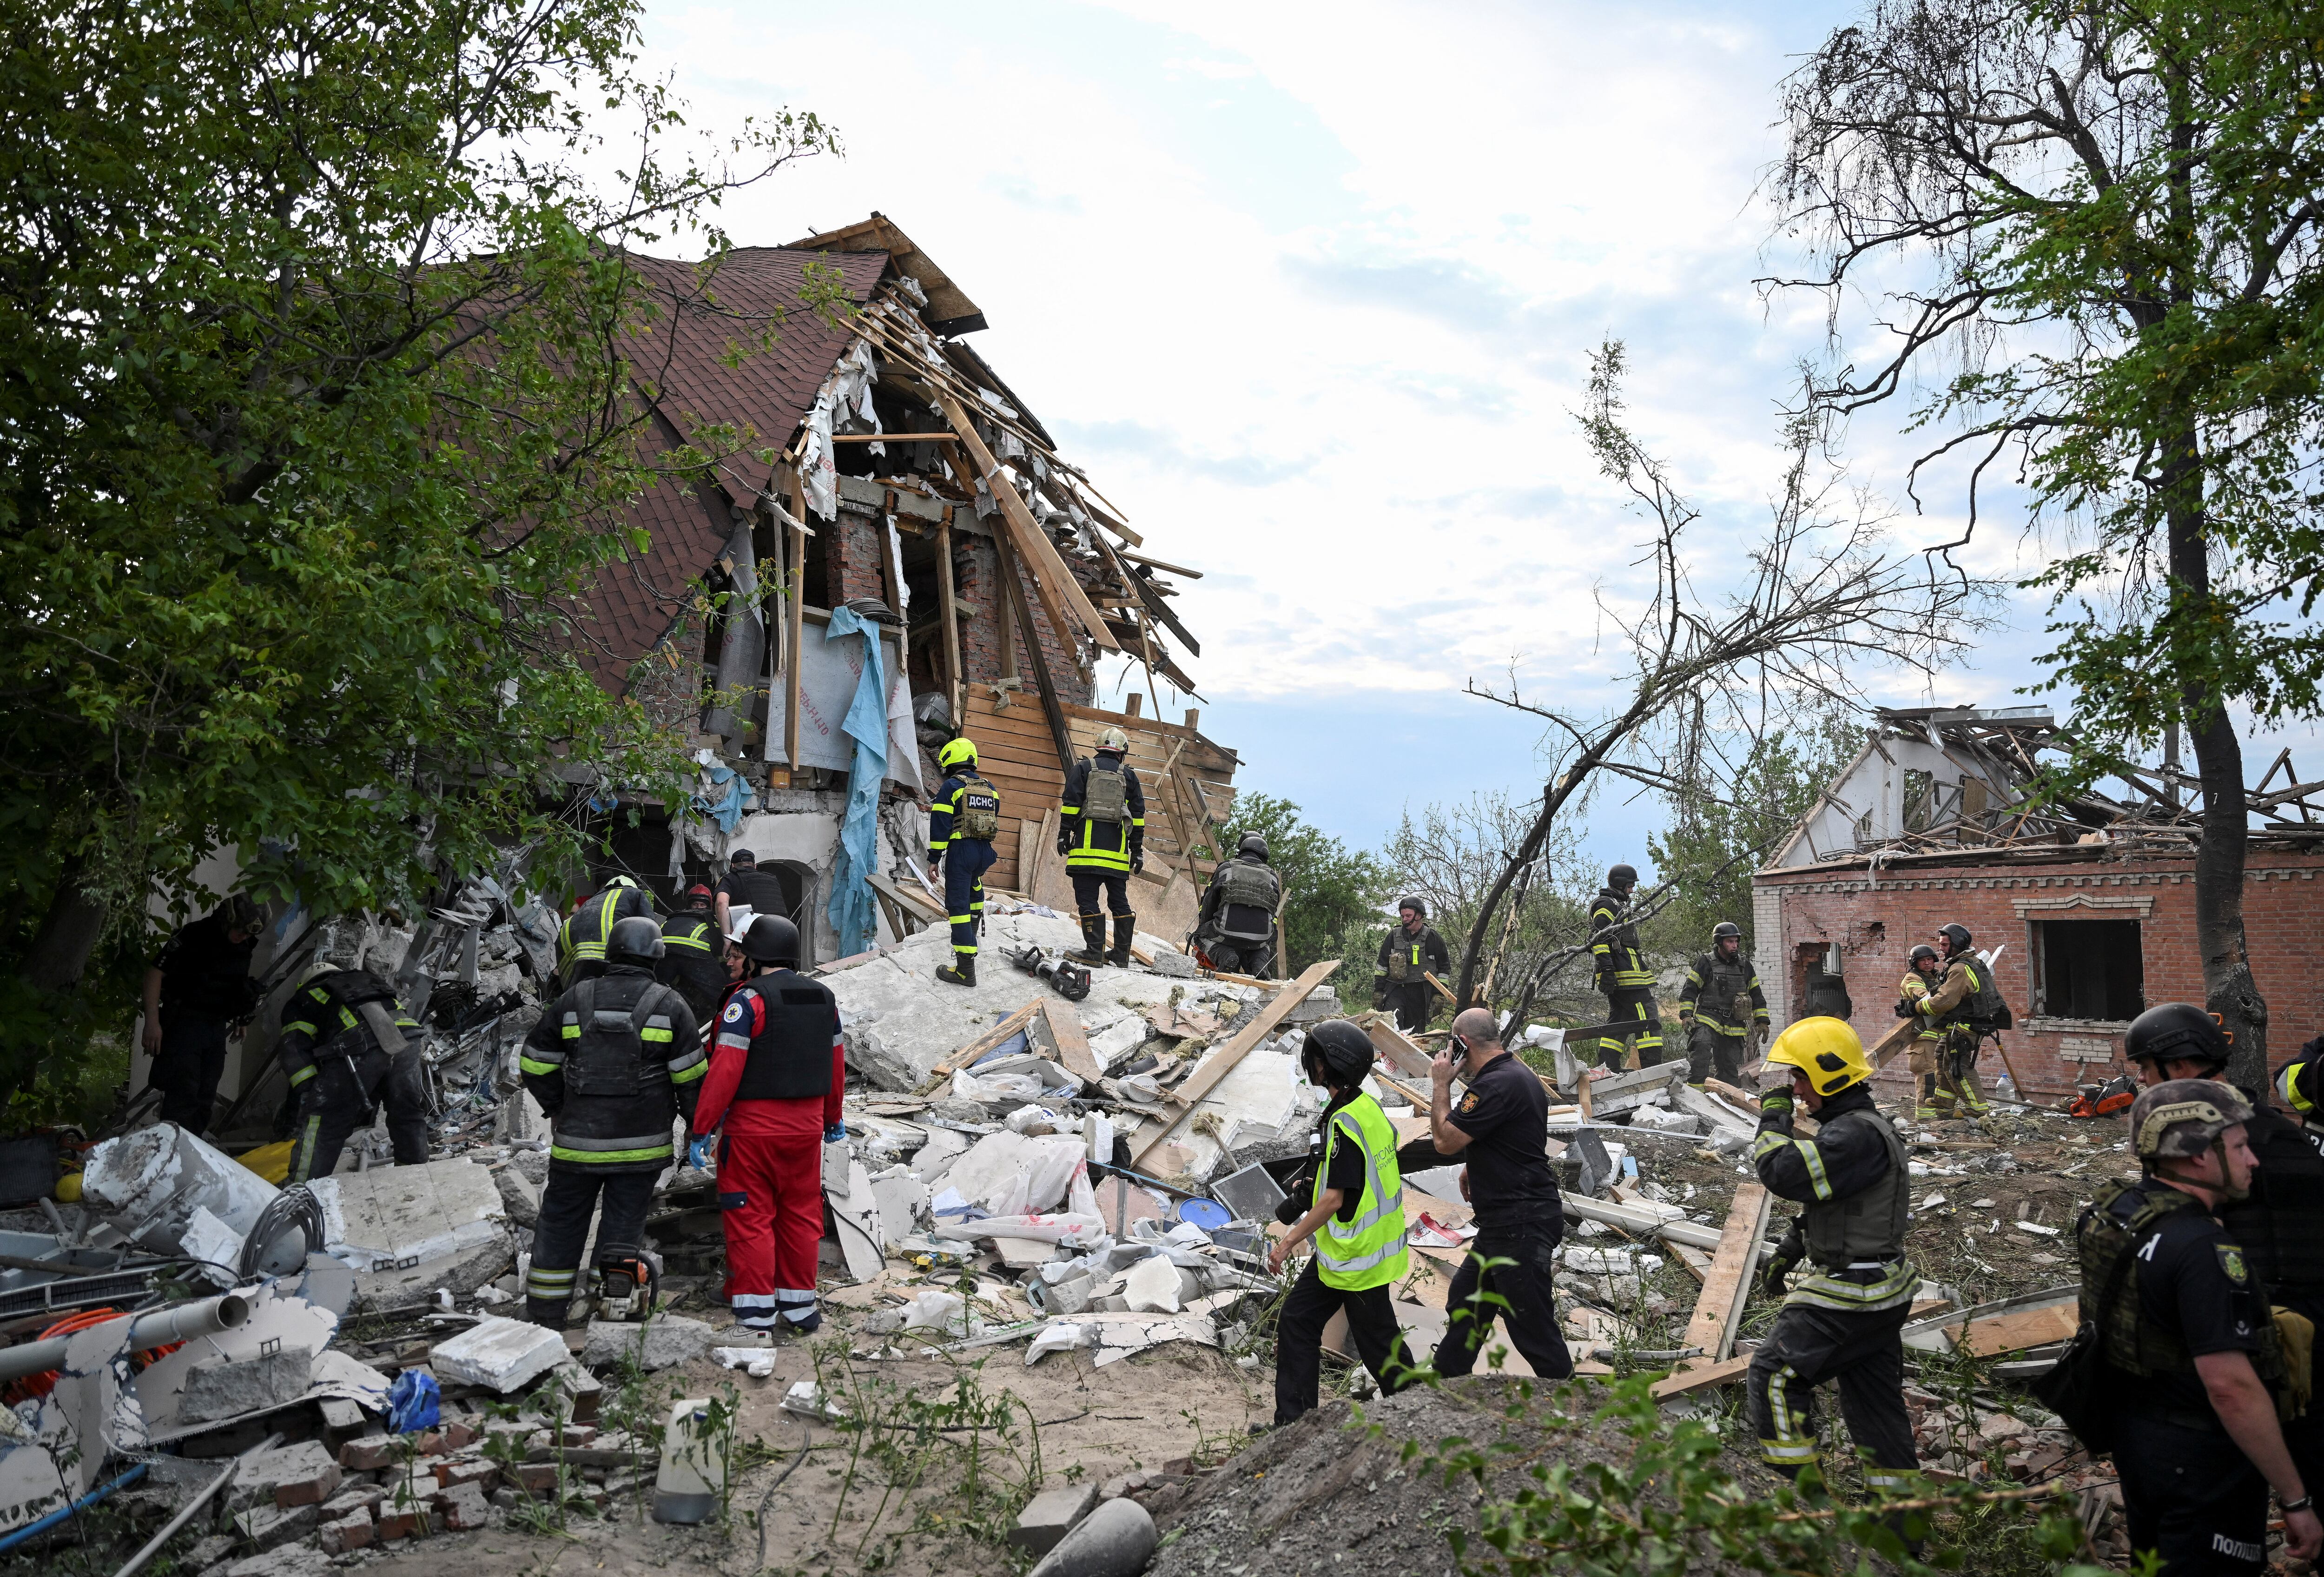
(1059, 1336)
(501, 1353)
(806, 1399)
(1153, 1287)
(758, 1362)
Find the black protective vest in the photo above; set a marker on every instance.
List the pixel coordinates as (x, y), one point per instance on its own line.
(610, 1058)
(1254, 889)
(790, 1057)
(1723, 981)
(2281, 1227)
(692, 962)
(618, 1101)
(1868, 1224)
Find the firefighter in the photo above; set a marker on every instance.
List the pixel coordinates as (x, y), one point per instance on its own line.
(347, 1049)
(1711, 1005)
(2184, 1322)
(1101, 834)
(615, 1062)
(964, 819)
(1622, 973)
(1922, 974)
(1407, 956)
(694, 955)
(2301, 1084)
(581, 942)
(1355, 1215)
(1841, 1322)
(1967, 1006)
(777, 1072)
(2281, 1226)
(1235, 929)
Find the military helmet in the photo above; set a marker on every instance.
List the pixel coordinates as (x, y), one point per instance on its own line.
(1921, 950)
(634, 939)
(1958, 934)
(957, 753)
(240, 912)
(1113, 739)
(1724, 929)
(1252, 844)
(2183, 1117)
(773, 939)
(2171, 1031)
(1413, 902)
(1343, 1052)
(1623, 876)
(1826, 1050)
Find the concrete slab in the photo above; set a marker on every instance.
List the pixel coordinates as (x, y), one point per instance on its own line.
(231, 1387)
(409, 1231)
(501, 1353)
(664, 1341)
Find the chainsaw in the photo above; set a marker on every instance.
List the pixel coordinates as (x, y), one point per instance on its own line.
(2105, 1100)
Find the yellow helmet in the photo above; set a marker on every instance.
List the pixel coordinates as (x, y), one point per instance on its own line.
(1114, 740)
(957, 753)
(1825, 1049)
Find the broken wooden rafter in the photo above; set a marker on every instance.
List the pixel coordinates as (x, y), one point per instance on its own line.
(1060, 591)
(1221, 1062)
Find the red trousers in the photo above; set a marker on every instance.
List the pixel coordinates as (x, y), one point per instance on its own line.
(771, 1192)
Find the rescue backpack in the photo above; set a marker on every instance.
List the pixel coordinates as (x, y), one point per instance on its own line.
(977, 813)
(1105, 793)
(611, 1057)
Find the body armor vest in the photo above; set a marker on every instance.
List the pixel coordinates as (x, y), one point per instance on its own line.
(358, 995)
(1247, 884)
(610, 1058)
(1407, 961)
(1105, 793)
(690, 962)
(2107, 1242)
(976, 809)
(619, 1100)
(1723, 981)
(790, 1057)
(2281, 1228)
(1868, 1224)
(1983, 1009)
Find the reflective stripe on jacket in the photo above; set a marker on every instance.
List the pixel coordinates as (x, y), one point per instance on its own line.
(1367, 1251)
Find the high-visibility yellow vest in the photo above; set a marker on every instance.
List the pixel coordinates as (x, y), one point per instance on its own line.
(1368, 1251)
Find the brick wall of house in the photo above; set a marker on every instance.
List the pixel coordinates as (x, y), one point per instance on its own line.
(1875, 924)
(976, 569)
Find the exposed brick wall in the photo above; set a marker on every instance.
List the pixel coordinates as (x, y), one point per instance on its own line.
(1876, 926)
(852, 566)
(976, 569)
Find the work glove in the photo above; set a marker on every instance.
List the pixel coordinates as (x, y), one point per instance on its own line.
(1137, 864)
(1788, 1254)
(698, 1153)
(1906, 1007)
(1686, 1021)
(1065, 845)
(834, 1133)
(1776, 1103)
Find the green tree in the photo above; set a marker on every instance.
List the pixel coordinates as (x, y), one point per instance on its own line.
(1329, 890)
(2110, 214)
(318, 421)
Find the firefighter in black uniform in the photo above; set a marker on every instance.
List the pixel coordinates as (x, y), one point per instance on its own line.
(2185, 1326)
(614, 1062)
(347, 1047)
(1235, 929)
(1709, 1005)
(2280, 1227)
(1841, 1322)
(1407, 956)
(1101, 834)
(694, 955)
(1622, 973)
(2301, 1085)
(964, 819)
(581, 941)
(1967, 1006)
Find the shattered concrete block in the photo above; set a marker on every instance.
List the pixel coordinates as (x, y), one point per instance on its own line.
(400, 1522)
(503, 1355)
(295, 1561)
(1153, 1287)
(1069, 1296)
(413, 1230)
(1174, 965)
(304, 1474)
(263, 1528)
(352, 1532)
(1115, 1540)
(205, 1551)
(903, 1204)
(1051, 1515)
(450, 1475)
(533, 1478)
(664, 1341)
(465, 1507)
(230, 1388)
(520, 1194)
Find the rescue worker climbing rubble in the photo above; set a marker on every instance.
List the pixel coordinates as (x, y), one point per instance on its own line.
(2185, 1327)
(347, 1049)
(614, 1062)
(1235, 928)
(1967, 1006)
(1710, 1005)
(1101, 834)
(777, 1072)
(1841, 1322)
(964, 819)
(1622, 974)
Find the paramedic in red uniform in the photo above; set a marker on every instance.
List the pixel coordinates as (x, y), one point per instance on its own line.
(777, 1071)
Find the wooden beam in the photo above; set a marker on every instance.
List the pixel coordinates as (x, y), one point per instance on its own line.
(1221, 1062)
(1719, 1312)
(786, 482)
(1059, 734)
(1684, 1381)
(1060, 591)
(948, 607)
(1011, 1024)
(1442, 989)
(1073, 1042)
(1168, 568)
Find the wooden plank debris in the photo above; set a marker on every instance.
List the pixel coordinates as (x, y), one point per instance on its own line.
(1012, 1025)
(1071, 1042)
(1685, 1381)
(1221, 1062)
(1719, 1311)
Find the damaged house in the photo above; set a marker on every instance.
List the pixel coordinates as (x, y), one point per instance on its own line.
(2087, 908)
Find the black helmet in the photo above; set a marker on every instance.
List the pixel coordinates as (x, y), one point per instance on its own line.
(1921, 950)
(2171, 1031)
(1417, 905)
(1622, 877)
(1342, 1051)
(1252, 844)
(634, 939)
(773, 939)
(1958, 934)
(1724, 929)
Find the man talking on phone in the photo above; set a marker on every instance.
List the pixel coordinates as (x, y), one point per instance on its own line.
(1500, 1124)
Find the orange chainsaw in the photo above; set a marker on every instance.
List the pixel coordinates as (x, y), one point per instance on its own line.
(2105, 1100)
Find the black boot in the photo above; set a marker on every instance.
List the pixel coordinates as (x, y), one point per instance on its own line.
(1124, 925)
(1092, 941)
(963, 972)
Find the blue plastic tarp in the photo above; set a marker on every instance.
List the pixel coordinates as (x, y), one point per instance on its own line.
(859, 829)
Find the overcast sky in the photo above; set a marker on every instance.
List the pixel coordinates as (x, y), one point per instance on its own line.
(1309, 291)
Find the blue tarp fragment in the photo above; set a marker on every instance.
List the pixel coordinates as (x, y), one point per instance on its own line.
(859, 845)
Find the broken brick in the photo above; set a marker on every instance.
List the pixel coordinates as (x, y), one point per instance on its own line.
(352, 1532)
(465, 1507)
(371, 1452)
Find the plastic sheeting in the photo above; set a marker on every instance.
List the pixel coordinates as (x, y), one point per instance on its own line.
(866, 723)
(845, 394)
